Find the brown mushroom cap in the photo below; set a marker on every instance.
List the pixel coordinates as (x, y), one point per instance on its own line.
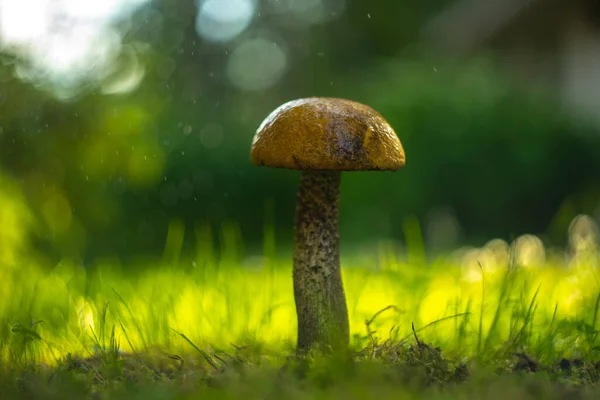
(327, 134)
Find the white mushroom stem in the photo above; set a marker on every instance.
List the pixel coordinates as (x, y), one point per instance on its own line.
(318, 289)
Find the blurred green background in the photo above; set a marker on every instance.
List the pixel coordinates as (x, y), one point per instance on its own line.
(127, 125)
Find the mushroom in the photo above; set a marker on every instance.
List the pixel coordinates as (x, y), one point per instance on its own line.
(321, 137)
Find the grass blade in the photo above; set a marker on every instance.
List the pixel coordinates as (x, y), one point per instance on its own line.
(203, 353)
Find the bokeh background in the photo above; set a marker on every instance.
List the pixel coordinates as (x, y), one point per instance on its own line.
(125, 125)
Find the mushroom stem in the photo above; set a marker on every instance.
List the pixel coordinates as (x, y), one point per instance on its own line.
(318, 289)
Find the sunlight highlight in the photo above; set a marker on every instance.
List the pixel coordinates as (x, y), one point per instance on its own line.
(223, 20)
(63, 42)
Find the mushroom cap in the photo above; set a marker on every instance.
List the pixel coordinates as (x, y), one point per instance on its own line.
(327, 134)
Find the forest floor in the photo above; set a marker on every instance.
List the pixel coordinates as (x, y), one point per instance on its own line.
(453, 328)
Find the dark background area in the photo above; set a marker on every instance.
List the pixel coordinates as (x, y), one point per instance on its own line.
(492, 149)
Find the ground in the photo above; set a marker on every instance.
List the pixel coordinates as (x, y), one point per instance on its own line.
(450, 329)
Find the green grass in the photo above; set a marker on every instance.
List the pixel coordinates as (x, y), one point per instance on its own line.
(474, 327)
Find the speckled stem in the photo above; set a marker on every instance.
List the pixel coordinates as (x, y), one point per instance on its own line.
(318, 289)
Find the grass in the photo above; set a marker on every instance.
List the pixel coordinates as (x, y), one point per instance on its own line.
(474, 326)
